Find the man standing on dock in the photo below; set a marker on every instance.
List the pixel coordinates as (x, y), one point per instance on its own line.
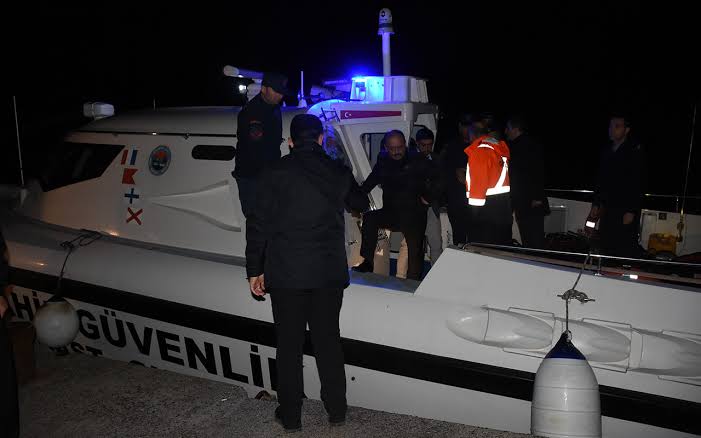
(296, 252)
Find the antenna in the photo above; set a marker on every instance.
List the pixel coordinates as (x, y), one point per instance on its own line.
(302, 101)
(385, 30)
(680, 225)
(19, 145)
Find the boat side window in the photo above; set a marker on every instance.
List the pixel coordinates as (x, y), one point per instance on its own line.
(213, 152)
(76, 162)
(334, 147)
(372, 144)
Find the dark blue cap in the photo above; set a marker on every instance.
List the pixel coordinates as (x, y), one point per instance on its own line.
(565, 349)
(277, 82)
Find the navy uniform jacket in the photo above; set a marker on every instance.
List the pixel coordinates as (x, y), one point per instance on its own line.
(259, 134)
(296, 234)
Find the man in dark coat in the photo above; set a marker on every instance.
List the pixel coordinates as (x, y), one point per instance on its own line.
(527, 175)
(453, 164)
(402, 177)
(296, 252)
(618, 195)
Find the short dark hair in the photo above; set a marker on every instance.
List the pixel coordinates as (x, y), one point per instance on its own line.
(425, 134)
(627, 118)
(486, 123)
(394, 133)
(465, 119)
(518, 122)
(305, 127)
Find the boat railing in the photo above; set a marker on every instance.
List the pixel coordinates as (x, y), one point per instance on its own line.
(625, 266)
(678, 199)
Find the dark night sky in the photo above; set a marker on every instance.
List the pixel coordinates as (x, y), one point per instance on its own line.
(564, 65)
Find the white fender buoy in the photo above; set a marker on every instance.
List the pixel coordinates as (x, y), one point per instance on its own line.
(56, 323)
(565, 395)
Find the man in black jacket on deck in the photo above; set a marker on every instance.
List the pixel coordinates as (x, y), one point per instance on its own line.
(619, 191)
(296, 252)
(453, 163)
(527, 177)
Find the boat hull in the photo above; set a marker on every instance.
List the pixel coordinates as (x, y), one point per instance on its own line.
(414, 349)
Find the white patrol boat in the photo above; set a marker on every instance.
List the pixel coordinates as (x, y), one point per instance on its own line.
(145, 206)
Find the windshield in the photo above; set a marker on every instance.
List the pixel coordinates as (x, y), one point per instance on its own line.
(76, 162)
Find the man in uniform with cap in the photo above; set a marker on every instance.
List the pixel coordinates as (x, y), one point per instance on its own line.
(296, 252)
(259, 136)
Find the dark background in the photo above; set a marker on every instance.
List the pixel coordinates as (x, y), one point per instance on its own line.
(565, 66)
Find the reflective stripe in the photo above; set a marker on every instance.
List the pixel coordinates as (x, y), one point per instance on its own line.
(467, 178)
(485, 145)
(477, 202)
(498, 190)
(493, 191)
(502, 177)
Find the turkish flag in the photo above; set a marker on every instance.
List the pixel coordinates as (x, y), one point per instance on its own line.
(128, 176)
(351, 114)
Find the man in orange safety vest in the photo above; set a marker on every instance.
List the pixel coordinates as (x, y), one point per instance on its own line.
(487, 185)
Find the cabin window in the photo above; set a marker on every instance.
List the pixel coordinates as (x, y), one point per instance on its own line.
(76, 162)
(333, 145)
(373, 145)
(213, 152)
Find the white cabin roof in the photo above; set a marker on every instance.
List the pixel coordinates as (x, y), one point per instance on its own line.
(214, 120)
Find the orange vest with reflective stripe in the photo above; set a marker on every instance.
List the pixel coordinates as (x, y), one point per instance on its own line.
(487, 170)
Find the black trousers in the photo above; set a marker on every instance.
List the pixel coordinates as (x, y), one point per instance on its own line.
(293, 309)
(531, 225)
(459, 216)
(491, 223)
(411, 223)
(617, 239)
(9, 406)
